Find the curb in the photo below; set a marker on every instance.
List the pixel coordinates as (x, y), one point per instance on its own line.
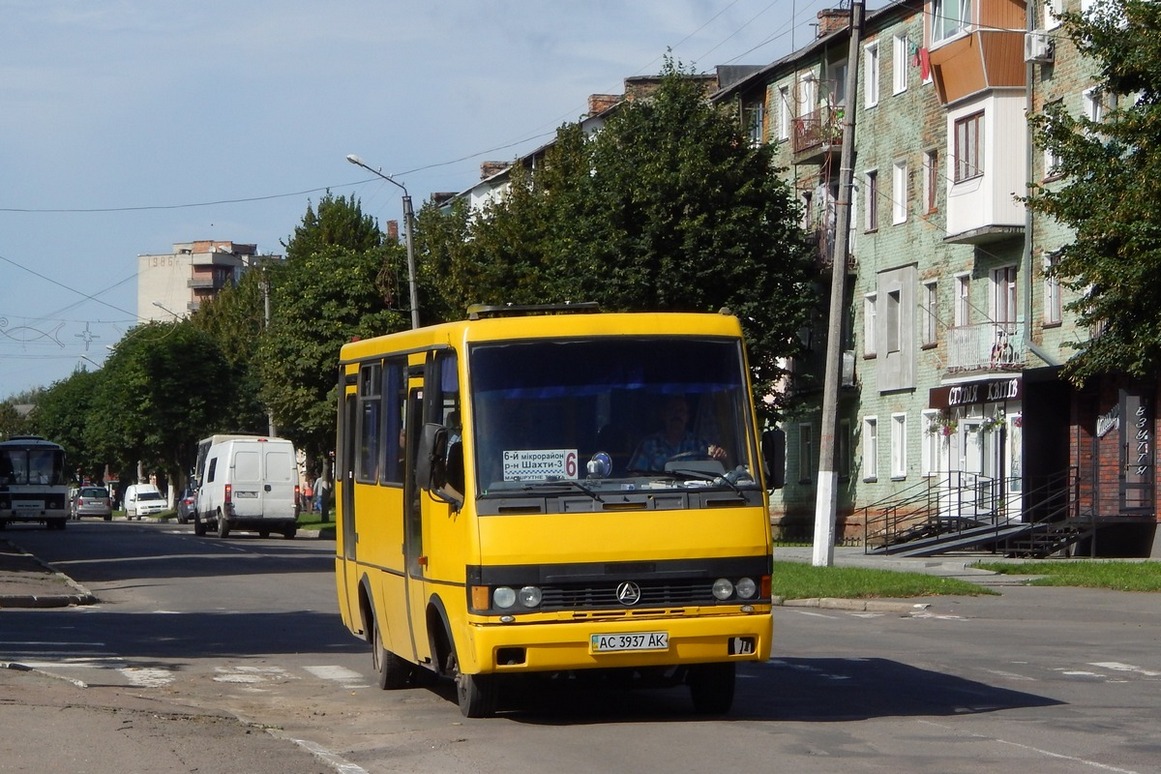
(858, 605)
(82, 595)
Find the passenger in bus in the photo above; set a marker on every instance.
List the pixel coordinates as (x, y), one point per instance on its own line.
(672, 439)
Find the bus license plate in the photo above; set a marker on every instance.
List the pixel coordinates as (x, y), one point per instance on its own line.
(615, 643)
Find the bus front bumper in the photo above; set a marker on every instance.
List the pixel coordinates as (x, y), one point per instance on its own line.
(603, 644)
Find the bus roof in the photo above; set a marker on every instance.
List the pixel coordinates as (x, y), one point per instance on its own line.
(549, 326)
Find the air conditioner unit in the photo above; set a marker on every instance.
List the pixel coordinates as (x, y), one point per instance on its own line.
(848, 368)
(1037, 46)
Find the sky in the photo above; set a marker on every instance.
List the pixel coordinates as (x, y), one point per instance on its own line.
(127, 126)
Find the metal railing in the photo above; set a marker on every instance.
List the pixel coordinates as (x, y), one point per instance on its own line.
(981, 510)
(987, 346)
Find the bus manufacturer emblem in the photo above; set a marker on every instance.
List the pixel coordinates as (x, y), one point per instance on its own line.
(628, 593)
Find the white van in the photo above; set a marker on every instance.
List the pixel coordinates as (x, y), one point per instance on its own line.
(246, 482)
(143, 500)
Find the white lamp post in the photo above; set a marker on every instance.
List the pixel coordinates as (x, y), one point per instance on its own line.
(408, 217)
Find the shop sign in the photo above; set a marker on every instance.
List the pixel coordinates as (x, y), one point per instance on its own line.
(990, 391)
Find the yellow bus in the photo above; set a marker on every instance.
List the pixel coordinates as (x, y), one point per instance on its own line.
(551, 490)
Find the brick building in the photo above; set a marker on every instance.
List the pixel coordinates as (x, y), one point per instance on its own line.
(951, 407)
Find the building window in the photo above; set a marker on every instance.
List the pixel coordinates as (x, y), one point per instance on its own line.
(929, 324)
(962, 311)
(843, 449)
(968, 151)
(870, 448)
(1052, 305)
(899, 192)
(1052, 11)
(932, 442)
(754, 117)
(806, 453)
(871, 74)
(869, 321)
(898, 446)
(837, 84)
(930, 180)
(894, 321)
(1004, 308)
(807, 95)
(872, 198)
(900, 62)
(949, 18)
(785, 111)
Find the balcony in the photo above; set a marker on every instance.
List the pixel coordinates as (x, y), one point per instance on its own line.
(986, 347)
(818, 134)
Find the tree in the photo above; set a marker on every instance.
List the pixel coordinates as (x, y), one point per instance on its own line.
(160, 391)
(1112, 175)
(235, 319)
(62, 415)
(668, 207)
(322, 295)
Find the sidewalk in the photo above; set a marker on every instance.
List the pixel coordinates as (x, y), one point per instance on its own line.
(25, 581)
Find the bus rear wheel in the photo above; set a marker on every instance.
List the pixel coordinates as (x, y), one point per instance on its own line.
(393, 672)
(711, 686)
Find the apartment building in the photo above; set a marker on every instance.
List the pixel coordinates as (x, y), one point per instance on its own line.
(173, 285)
(951, 398)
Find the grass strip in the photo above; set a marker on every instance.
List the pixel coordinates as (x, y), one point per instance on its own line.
(1097, 574)
(797, 580)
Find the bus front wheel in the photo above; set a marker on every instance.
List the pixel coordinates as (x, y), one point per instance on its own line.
(711, 686)
(476, 694)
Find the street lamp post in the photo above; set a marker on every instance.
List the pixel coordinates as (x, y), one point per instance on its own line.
(408, 218)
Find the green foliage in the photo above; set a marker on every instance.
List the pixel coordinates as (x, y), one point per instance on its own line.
(1119, 576)
(12, 421)
(1112, 174)
(160, 393)
(322, 295)
(339, 221)
(235, 320)
(63, 413)
(794, 580)
(667, 208)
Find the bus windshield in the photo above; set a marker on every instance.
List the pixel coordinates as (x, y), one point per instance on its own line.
(611, 412)
(23, 466)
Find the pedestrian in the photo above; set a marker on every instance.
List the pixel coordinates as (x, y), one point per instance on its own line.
(323, 488)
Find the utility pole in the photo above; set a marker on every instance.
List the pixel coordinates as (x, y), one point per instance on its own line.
(825, 507)
(271, 429)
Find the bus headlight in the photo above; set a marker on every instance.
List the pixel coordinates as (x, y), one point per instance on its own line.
(503, 597)
(746, 588)
(530, 596)
(723, 589)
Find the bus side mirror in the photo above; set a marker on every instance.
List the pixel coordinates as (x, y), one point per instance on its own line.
(430, 463)
(435, 468)
(774, 455)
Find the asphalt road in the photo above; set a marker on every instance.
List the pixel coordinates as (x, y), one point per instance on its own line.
(1042, 679)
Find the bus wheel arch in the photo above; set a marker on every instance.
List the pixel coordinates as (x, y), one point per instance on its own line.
(392, 671)
(475, 693)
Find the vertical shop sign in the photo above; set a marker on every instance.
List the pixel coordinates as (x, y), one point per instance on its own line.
(1137, 446)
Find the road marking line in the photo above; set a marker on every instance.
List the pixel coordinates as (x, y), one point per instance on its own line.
(147, 677)
(1049, 753)
(1117, 666)
(332, 672)
(339, 763)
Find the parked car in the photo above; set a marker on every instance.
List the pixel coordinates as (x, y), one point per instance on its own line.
(92, 501)
(143, 500)
(186, 505)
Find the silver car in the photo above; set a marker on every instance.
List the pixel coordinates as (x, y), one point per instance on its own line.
(92, 501)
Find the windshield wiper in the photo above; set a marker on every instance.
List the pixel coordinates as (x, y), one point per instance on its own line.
(570, 483)
(730, 479)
